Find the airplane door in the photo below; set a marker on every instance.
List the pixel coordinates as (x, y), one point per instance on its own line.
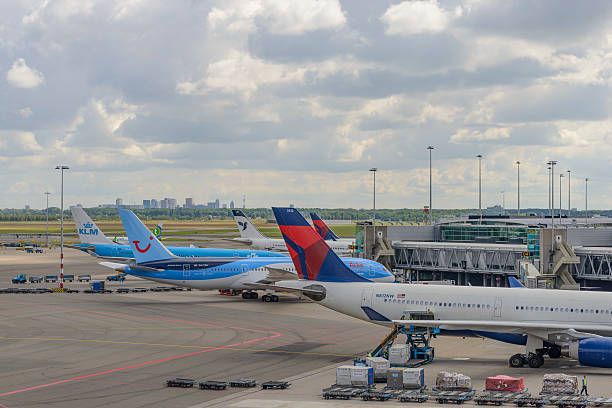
(186, 270)
(366, 297)
(497, 309)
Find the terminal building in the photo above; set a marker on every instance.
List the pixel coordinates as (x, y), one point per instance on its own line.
(564, 253)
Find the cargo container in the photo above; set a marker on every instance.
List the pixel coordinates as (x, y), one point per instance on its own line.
(343, 375)
(362, 375)
(380, 366)
(413, 377)
(399, 354)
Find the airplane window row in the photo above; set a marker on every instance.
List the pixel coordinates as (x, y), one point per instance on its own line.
(563, 309)
(439, 304)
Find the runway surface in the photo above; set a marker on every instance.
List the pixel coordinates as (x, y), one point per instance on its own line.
(116, 350)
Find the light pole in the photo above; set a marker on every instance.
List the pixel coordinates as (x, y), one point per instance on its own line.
(503, 193)
(47, 239)
(61, 279)
(430, 148)
(569, 194)
(518, 187)
(561, 175)
(374, 170)
(586, 201)
(479, 156)
(552, 203)
(549, 212)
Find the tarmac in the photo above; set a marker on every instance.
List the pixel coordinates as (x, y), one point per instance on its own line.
(117, 350)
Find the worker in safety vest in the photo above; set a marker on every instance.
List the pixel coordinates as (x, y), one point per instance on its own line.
(584, 386)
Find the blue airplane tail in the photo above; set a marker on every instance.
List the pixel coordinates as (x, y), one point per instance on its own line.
(145, 246)
(312, 257)
(324, 231)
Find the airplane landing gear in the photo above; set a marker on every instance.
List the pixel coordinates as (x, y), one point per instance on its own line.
(250, 295)
(534, 360)
(269, 298)
(554, 352)
(517, 360)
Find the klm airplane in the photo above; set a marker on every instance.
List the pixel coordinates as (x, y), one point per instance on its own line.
(94, 242)
(155, 262)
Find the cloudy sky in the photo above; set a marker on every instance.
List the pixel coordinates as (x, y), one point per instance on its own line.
(293, 101)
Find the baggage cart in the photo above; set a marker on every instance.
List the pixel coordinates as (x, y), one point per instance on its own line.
(243, 383)
(279, 385)
(84, 278)
(213, 385)
(35, 279)
(412, 396)
(180, 382)
(452, 397)
(497, 397)
(600, 401)
(529, 400)
(341, 392)
(381, 395)
(50, 278)
(123, 290)
(563, 401)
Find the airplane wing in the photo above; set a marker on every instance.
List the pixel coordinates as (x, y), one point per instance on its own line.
(277, 274)
(120, 267)
(539, 329)
(308, 291)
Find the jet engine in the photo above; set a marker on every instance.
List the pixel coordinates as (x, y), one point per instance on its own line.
(593, 352)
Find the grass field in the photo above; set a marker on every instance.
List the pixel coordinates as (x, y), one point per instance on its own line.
(170, 229)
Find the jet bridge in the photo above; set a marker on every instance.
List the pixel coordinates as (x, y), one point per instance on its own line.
(459, 260)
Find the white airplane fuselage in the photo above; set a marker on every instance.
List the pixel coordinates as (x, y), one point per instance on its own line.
(590, 311)
(341, 246)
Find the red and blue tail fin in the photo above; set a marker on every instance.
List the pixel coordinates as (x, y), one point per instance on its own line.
(312, 257)
(324, 231)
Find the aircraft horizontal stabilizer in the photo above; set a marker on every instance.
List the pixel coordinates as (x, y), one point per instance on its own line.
(114, 265)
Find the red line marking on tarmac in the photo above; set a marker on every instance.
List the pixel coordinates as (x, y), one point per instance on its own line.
(271, 336)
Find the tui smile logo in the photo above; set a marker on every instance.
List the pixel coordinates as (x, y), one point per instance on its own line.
(243, 225)
(88, 229)
(142, 251)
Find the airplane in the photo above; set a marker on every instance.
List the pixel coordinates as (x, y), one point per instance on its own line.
(94, 242)
(155, 262)
(250, 235)
(157, 231)
(556, 323)
(327, 234)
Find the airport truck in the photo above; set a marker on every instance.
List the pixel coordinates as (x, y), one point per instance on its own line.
(21, 278)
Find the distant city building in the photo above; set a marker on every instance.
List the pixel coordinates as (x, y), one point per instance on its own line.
(146, 203)
(154, 203)
(163, 203)
(189, 202)
(217, 203)
(171, 203)
(291, 206)
(224, 205)
(232, 204)
(27, 206)
(119, 202)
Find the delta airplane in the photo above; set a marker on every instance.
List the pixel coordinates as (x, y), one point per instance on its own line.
(94, 242)
(327, 234)
(155, 262)
(250, 235)
(547, 322)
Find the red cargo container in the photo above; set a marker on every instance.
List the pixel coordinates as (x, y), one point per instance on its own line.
(505, 383)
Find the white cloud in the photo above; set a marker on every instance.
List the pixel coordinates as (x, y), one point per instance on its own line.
(59, 10)
(241, 73)
(414, 17)
(18, 143)
(277, 16)
(491, 134)
(22, 76)
(25, 112)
